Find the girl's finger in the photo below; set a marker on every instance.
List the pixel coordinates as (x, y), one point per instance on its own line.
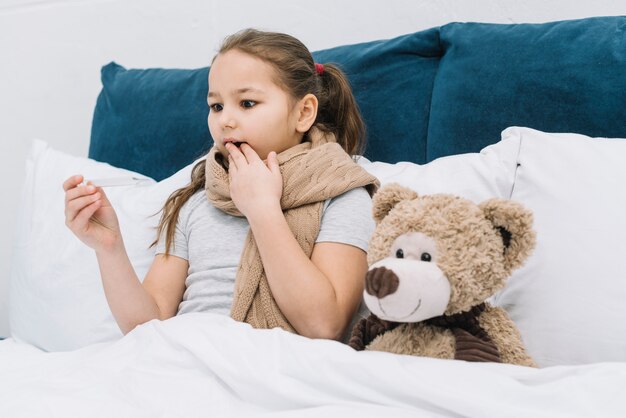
(232, 167)
(72, 182)
(236, 154)
(73, 208)
(82, 219)
(78, 191)
(250, 153)
(272, 162)
(103, 196)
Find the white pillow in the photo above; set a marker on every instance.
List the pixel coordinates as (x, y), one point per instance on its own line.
(56, 299)
(474, 176)
(569, 300)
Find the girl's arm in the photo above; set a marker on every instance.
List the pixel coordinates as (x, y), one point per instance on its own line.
(90, 216)
(319, 295)
(133, 303)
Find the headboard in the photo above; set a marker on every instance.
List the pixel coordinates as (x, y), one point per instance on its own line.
(443, 91)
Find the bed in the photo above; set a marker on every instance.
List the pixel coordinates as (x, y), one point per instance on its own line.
(531, 112)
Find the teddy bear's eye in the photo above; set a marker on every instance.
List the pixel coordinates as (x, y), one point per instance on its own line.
(426, 257)
(400, 253)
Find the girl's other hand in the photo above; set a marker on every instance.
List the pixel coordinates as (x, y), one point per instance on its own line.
(255, 186)
(89, 215)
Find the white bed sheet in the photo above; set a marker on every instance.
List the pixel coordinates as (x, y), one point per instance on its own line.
(208, 365)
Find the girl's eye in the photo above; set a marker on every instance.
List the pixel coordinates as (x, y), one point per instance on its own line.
(400, 253)
(216, 107)
(426, 257)
(248, 103)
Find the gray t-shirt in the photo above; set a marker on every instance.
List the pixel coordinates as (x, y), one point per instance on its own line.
(212, 242)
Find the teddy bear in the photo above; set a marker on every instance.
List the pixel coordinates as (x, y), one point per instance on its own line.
(434, 260)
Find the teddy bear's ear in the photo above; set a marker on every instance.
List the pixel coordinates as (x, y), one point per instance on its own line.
(515, 224)
(387, 197)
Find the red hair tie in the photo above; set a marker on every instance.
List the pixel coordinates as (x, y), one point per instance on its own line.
(319, 68)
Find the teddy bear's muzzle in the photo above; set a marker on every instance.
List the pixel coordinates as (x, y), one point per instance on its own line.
(380, 282)
(406, 290)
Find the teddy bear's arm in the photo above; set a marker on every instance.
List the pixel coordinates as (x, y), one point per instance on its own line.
(367, 329)
(506, 336)
(357, 339)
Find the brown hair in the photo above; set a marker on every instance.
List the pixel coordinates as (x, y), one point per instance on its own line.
(296, 74)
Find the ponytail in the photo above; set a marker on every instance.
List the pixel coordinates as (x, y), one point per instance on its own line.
(338, 112)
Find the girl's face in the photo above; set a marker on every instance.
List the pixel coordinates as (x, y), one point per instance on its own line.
(246, 105)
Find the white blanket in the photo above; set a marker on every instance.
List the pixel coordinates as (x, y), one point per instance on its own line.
(207, 365)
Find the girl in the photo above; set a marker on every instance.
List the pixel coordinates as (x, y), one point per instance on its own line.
(275, 222)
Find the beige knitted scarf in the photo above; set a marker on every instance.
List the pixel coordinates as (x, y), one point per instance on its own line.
(310, 176)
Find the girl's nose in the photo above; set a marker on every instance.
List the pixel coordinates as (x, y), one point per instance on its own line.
(227, 119)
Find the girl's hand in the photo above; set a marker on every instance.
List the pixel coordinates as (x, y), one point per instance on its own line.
(255, 186)
(90, 216)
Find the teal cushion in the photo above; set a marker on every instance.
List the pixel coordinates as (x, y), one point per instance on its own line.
(433, 93)
(152, 121)
(567, 76)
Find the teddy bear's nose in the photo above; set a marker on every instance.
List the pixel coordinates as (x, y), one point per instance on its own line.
(381, 282)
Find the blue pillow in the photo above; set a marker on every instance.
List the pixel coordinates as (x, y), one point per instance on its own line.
(567, 76)
(152, 121)
(392, 81)
(433, 93)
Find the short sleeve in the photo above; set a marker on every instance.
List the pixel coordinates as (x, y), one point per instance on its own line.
(179, 246)
(348, 219)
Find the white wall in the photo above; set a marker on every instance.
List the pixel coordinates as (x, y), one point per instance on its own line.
(51, 52)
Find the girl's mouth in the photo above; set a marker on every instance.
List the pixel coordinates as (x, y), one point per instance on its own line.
(235, 143)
